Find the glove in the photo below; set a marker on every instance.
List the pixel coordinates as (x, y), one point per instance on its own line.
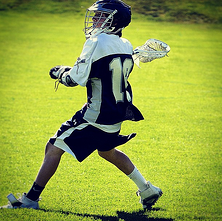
(61, 73)
(58, 71)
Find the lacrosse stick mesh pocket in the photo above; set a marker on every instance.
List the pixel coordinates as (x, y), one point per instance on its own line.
(151, 50)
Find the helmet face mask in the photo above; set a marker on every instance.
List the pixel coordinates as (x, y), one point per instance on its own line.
(97, 22)
(106, 16)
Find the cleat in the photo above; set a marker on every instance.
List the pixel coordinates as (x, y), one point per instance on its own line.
(149, 196)
(22, 202)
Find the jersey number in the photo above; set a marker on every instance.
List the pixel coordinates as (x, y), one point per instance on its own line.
(120, 73)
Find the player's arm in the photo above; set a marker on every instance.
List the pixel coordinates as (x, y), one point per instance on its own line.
(81, 70)
(62, 73)
(79, 73)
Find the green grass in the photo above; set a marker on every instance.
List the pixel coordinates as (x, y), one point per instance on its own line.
(178, 145)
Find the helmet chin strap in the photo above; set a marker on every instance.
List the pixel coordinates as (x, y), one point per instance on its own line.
(96, 31)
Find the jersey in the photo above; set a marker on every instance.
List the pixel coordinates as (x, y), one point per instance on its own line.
(104, 67)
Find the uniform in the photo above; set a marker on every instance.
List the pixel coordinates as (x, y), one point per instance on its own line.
(103, 67)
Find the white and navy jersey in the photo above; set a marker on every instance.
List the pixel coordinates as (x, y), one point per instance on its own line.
(104, 67)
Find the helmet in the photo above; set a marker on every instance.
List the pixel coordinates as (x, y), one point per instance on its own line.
(107, 16)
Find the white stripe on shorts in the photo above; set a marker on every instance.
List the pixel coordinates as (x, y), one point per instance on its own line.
(60, 140)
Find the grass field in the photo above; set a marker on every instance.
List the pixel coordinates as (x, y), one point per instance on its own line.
(178, 145)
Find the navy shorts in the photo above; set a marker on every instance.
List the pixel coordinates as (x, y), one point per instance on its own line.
(79, 138)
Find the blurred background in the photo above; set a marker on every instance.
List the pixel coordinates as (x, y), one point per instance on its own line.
(195, 11)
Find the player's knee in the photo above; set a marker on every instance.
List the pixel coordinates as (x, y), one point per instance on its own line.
(106, 154)
(101, 154)
(52, 150)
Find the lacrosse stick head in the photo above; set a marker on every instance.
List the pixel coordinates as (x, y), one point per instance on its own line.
(151, 50)
(106, 16)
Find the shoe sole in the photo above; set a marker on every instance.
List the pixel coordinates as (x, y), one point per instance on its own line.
(146, 202)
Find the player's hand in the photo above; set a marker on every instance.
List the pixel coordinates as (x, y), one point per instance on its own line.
(55, 72)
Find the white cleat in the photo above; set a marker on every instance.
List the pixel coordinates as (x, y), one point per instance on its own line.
(149, 196)
(22, 202)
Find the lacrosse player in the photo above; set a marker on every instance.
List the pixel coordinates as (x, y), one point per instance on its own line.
(103, 68)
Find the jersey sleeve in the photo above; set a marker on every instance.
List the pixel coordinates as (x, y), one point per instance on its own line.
(82, 67)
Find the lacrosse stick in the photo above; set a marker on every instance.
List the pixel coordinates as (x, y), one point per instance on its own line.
(151, 50)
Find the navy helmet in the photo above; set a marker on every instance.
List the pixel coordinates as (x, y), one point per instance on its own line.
(107, 16)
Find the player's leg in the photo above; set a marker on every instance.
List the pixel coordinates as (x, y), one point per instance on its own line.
(119, 159)
(47, 170)
(148, 193)
(50, 164)
(122, 162)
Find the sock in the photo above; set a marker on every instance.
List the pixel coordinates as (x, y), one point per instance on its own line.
(34, 192)
(138, 179)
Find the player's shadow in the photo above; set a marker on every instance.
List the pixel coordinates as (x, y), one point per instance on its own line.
(140, 215)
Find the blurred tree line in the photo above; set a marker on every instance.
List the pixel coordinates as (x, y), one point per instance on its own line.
(198, 11)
